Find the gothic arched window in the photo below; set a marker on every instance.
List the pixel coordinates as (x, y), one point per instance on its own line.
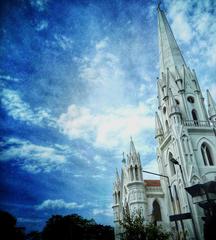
(178, 206)
(172, 166)
(167, 126)
(131, 173)
(194, 115)
(206, 154)
(118, 196)
(136, 173)
(156, 212)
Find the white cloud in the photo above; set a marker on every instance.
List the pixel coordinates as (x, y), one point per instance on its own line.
(102, 44)
(31, 157)
(196, 14)
(110, 129)
(40, 5)
(9, 78)
(58, 204)
(63, 41)
(104, 212)
(42, 25)
(20, 110)
(180, 21)
(28, 220)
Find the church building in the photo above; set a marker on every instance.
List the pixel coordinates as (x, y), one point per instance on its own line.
(185, 130)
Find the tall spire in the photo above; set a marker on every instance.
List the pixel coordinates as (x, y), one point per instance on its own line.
(170, 54)
(211, 105)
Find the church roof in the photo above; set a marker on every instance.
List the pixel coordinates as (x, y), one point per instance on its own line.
(152, 183)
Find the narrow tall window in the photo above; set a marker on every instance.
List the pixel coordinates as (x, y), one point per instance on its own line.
(119, 196)
(136, 173)
(206, 154)
(172, 167)
(194, 115)
(156, 212)
(131, 173)
(177, 200)
(167, 126)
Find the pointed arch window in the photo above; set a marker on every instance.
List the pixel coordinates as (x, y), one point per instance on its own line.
(131, 173)
(118, 196)
(136, 173)
(178, 205)
(167, 125)
(156, 212)
(194, 115)
(172, 166)
(206, 154)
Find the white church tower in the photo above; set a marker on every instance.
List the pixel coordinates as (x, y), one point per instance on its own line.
(185, 130)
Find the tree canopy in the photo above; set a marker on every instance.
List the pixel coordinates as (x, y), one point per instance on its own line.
(57, 227)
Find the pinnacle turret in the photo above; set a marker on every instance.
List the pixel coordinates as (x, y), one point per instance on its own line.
(174, 108)
(158, 127)
(211, 106)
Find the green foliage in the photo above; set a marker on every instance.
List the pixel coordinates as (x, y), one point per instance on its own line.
(70, 227)
(133, 225)
(75, 227)
(135, 229)
(156, 232)
(8, 228)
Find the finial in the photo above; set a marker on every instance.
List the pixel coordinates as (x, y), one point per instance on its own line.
(131, 139)
(158, 6)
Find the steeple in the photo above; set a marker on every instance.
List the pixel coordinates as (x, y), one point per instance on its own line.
(170, 54)
(211, 106)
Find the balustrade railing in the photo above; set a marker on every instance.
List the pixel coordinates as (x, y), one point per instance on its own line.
(196, 123)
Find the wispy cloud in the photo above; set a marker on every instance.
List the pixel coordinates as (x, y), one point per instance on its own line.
(109, 129)
(20, 110)
(103, 211)
(9, 78)
(58, 204)
(39, 5)
(31, 157)
(42, 25)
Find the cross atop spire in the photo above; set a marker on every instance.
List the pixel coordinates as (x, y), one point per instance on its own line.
(170, 54)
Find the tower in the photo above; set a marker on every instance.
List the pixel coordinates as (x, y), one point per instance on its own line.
(186, 134)
(136, 190)
(129, 190)
(117, 205)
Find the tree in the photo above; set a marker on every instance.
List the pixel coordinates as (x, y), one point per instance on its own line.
(156, 232)
(75, 227)
(136, 229)
(133, 225)
(34, 235)
(8, 228)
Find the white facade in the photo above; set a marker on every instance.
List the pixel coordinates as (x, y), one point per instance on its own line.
(186, 133)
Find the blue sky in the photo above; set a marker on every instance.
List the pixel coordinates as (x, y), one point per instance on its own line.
(78, 78)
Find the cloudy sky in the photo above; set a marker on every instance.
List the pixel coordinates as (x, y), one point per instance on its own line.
(78, 78)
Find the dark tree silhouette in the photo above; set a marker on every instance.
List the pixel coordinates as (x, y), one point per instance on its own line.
(8, 228)
(34, 235)
(75, 227)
